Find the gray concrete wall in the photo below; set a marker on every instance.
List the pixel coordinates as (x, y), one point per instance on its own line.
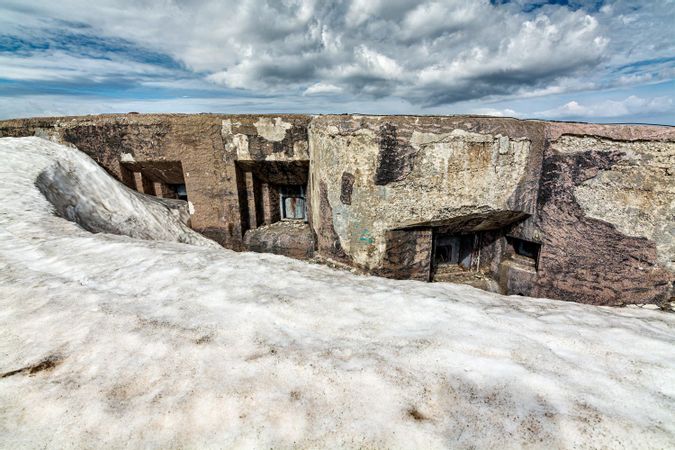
(598, 199)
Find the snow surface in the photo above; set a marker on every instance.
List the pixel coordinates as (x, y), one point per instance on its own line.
(111, 341)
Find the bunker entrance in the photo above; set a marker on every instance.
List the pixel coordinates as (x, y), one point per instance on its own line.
(274, 207)
(272, 191)
(452, 251)
(463, 257)
(162, 179)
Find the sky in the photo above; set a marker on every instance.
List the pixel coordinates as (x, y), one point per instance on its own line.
(588, 60)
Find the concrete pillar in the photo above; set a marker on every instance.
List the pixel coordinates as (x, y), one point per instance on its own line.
(250, 197)
(148, 185)
(127, 177)
(138, 182)
(267, 204)
(159, 191)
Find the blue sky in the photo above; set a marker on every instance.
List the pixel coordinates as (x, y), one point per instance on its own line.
(599, 61)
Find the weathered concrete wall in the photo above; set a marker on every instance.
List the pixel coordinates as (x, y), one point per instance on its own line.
(380, 174)
(207, 145)
(606, 214)
(194, 140)
(265, 151)
(599, 199)
(635, 194)
(266, 138)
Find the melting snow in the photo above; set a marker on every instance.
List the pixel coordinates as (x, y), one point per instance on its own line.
(111, 341)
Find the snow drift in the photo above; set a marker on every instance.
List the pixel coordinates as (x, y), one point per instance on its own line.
(111, 341)
(81, 191)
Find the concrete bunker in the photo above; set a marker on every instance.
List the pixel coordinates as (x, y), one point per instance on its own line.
(164, 179)
(466, 249)
(561, 210)
(273, 200)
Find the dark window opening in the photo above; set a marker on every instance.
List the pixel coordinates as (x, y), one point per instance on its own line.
(526, 249)
(446, 250)
(180, 190)
(292, 202)
(159, 178)
(454, 249)
(272, 191)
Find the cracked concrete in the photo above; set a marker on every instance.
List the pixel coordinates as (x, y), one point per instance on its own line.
(597, 199)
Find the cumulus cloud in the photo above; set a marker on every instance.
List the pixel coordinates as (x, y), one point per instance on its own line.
(322, 88)
(494, 112)
(428, 53)
(630, 106)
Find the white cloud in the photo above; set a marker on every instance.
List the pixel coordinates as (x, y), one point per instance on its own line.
(322, 88)
(630, 106)
(428, 53)
(431, 52)
(494, 112)
(432, 19)
(61, 66)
